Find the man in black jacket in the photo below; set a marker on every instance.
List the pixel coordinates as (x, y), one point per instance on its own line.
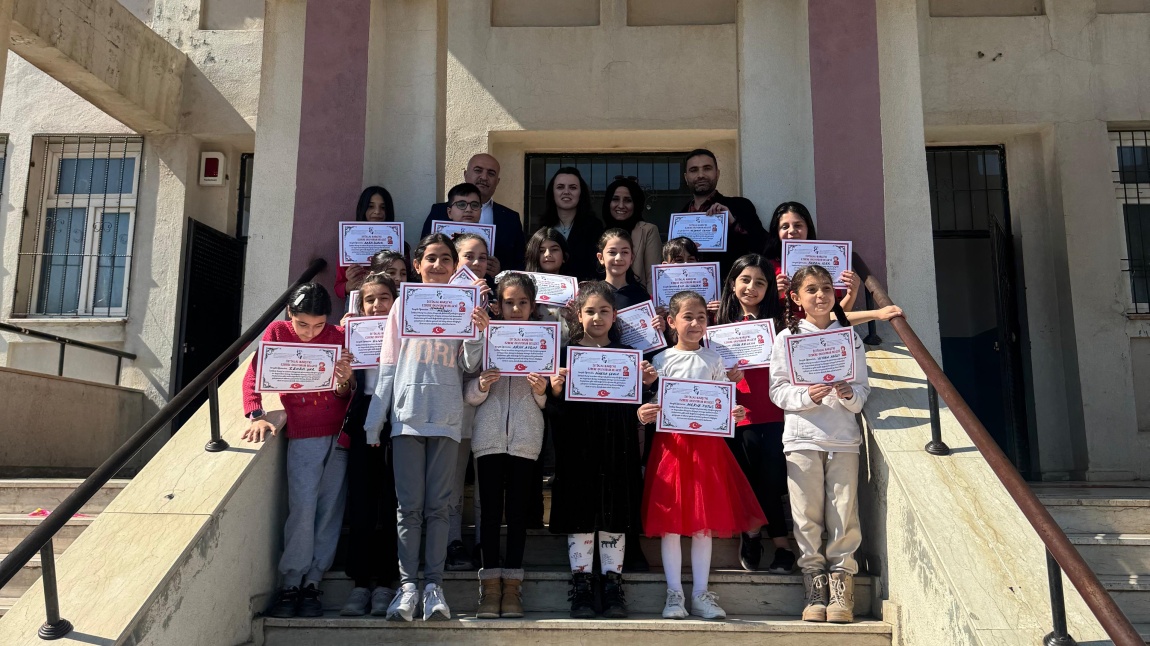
(746, 233)
(483, 171)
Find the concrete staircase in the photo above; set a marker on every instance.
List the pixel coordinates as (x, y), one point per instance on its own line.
(21, 497)
(1110, 526)
(759, 606)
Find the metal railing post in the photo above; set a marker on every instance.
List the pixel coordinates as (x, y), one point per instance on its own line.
(119, 366)
(935, 446)
(60, 367)
(1060, 636)
(217, 443)
(54, 626)
(872, 338)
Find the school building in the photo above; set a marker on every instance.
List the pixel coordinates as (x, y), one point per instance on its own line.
(170, 166)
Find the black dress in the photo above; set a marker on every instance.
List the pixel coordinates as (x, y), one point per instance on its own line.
(598, 482)
(630, 294)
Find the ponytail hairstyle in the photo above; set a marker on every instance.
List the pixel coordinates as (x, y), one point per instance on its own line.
(380, 278)
(680, 245)
(791, 315)
(522, 281)
(774, 247)
(677, 302)
(587, 289)
(622, 234)
(434, 238)
(309, 299)
(535, 245)
(462, 237)
(383, 259)
(730, 310)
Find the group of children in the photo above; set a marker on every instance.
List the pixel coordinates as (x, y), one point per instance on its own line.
(405, 432)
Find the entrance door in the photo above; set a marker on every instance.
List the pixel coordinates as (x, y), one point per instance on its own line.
(212, 299)
(977, 296)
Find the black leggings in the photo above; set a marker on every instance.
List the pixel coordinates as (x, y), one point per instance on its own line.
(758, 449)
(504, 485)
(372, 552)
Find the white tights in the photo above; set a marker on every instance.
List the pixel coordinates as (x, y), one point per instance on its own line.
(700, 562)
(581, 552)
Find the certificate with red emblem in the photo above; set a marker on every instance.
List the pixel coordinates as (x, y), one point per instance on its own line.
(635, 328)
(450, 228)
(696, 407)
(553, 289)
(604, 375)
(363, 336)
(709, 232)
(832, 255)
(438, 311)
(295, 367)
(700, 277)
(359, 241)
(743, 345)
(522, 347)
(821, 357)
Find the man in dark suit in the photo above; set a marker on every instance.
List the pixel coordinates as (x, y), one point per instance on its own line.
(483, 171)
(746, 233)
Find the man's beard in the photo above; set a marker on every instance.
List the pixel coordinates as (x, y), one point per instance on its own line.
(702, 190)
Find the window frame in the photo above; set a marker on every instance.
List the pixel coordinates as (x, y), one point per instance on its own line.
(1130, 193)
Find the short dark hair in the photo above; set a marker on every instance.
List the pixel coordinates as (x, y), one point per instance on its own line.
(462, 190)
(700, 151)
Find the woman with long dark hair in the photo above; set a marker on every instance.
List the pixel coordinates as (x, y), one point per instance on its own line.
(375, 205)
(569, 212)
(623, 206)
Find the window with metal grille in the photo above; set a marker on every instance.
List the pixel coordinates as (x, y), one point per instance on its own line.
(76, 251)
(967, 190)
(1132, 189)
(660, 175)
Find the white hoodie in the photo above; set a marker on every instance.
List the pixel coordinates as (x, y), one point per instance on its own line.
(830, 426)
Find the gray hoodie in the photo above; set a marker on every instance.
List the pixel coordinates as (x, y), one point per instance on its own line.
(508, 418)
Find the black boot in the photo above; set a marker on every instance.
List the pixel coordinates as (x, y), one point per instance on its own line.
(614, 601)
(582, 596)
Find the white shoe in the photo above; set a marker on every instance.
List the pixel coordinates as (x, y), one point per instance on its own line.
(357, 603)
(434, 604)
(405, 604)
(380, 600)
(675, 608)
(705, 605)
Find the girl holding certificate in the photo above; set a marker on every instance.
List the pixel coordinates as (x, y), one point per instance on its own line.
(598, 484)
(616, 255)
(506, 440)
(316, 461)
(375, 205)
(694, 485)
(547, 254)
(821, 438)
(423, 378)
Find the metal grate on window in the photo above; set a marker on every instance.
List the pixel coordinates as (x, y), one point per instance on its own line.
(79, 256)
(1132, 190)
(660, 175)
(967, 190)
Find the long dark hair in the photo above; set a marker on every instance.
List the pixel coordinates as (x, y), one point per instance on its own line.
(638, 198)
(365, 201)
(587, 289)
(608, 235)
(791, 316)
(730, 311)
(535, 245)
(583, 209)
(774, 248)
(309, 299)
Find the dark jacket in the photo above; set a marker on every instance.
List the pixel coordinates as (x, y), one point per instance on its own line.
(746, 236)
(510, 245)
(582, 246)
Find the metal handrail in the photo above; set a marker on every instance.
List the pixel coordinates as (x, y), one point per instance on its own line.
(65, 342)
(40, 538)
(1061, 552)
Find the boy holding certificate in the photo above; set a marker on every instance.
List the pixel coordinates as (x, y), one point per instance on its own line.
(821, 438)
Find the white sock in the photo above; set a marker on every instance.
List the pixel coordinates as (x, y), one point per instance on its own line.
(581, 551)
(611, 548)
(672, 561)
(700, 562)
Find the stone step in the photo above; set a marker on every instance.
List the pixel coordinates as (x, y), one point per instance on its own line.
(1120, 554)
(6, 604)
(25, 495)
(1131, 593)
(1090, 509)
(556, 629)
(545, 590)
(23, 580)
(14, 527)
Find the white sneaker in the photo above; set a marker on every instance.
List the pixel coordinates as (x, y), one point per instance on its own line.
(675, 608)
(357, 603)
(434, 604)
(705, 605)
(405, 604)
(380, 600)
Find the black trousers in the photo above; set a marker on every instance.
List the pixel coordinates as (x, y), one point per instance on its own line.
(373, 551)
(504, 486)
(758, 449)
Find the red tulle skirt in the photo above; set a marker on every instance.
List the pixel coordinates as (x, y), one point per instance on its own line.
(694, 484)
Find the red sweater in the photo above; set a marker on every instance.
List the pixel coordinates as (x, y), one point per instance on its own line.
(753, 392)
(308, 414)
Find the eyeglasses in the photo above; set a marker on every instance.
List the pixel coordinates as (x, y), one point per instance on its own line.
(467, 206)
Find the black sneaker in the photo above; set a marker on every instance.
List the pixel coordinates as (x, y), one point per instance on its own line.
(458, 560)
(309, 603)
(582, 596)
(614, 601)
(285, 603)
(784, 562)
(750, 552)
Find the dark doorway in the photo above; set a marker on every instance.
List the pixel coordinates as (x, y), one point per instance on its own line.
(211, 305)
(977, 281)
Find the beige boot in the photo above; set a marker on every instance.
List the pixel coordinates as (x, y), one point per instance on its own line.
(817, 594)
(490, 593)
(842, 606)
(512, 605)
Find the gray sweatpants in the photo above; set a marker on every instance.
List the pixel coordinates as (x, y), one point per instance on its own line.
(424, 471)
(459, 484)
(316, 492)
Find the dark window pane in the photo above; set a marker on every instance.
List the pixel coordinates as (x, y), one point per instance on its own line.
(1134, 164)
